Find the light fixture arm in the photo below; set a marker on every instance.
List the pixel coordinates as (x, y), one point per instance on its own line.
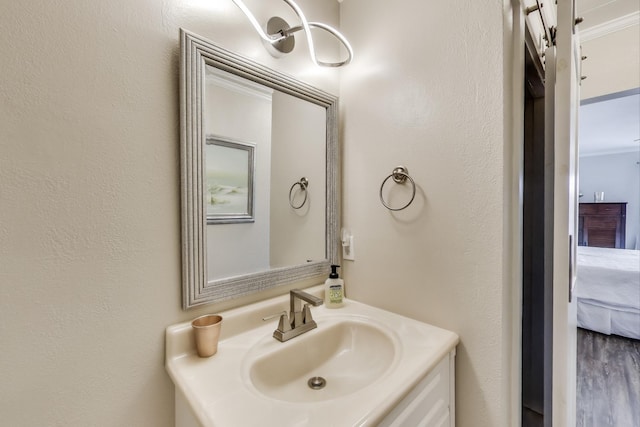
(342, 40)
(252, 19)
(305, 26)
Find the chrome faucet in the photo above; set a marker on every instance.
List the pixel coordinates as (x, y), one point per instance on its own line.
(299, 320)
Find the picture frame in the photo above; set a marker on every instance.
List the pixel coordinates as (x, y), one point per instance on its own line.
(229, 176)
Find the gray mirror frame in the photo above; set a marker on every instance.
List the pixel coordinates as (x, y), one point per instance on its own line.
(195, 53)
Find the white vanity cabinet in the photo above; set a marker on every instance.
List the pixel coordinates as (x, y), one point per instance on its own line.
(255, 380)
(431, 403)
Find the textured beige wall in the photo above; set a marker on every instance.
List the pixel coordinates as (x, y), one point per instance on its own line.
(90, 201)
(426, 91)
(89, 194)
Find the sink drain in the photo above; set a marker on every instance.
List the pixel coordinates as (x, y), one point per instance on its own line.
(316, 383)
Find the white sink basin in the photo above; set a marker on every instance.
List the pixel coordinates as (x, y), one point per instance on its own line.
(348, 353)
(370, 359)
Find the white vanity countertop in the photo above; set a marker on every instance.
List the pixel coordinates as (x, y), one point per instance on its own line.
(220, 393)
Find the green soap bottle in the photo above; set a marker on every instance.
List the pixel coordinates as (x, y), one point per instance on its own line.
(334, 289)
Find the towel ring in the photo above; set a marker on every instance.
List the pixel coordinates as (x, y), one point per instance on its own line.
(399, 175)
(303, 183)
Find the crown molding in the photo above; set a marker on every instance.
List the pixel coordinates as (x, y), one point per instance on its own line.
(611, 151)
(609, 27)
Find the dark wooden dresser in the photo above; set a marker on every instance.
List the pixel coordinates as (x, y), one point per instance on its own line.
(602, 224)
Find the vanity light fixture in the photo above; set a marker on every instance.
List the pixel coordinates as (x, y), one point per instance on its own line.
(279, 38)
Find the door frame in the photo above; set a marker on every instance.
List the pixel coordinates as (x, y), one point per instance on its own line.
(563, 398)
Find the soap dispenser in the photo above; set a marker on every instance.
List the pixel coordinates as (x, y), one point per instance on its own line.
(333, 289)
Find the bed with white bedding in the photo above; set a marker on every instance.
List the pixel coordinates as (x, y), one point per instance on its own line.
(608, 290)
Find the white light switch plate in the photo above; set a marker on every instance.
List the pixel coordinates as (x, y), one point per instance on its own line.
(348, 252)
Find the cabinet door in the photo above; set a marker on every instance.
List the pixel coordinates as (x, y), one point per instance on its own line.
(427, 405)
(602, 231)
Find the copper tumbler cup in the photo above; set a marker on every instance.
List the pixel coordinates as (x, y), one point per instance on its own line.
(207, 331)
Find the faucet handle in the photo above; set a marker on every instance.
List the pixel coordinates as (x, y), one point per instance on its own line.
(283, 325)
(273, 316)
(306, 314)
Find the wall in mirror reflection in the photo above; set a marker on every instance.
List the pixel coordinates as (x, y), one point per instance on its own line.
(289, 135)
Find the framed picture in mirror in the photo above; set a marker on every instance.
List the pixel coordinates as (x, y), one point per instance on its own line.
(229, 180)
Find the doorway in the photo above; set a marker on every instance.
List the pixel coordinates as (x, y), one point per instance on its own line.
(537, 250)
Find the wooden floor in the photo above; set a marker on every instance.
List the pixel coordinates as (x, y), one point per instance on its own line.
(608, 392)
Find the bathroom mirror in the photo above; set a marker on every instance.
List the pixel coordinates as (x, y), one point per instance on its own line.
(259, 169)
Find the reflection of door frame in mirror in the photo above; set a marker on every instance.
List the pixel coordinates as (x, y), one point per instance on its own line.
(196, 52)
